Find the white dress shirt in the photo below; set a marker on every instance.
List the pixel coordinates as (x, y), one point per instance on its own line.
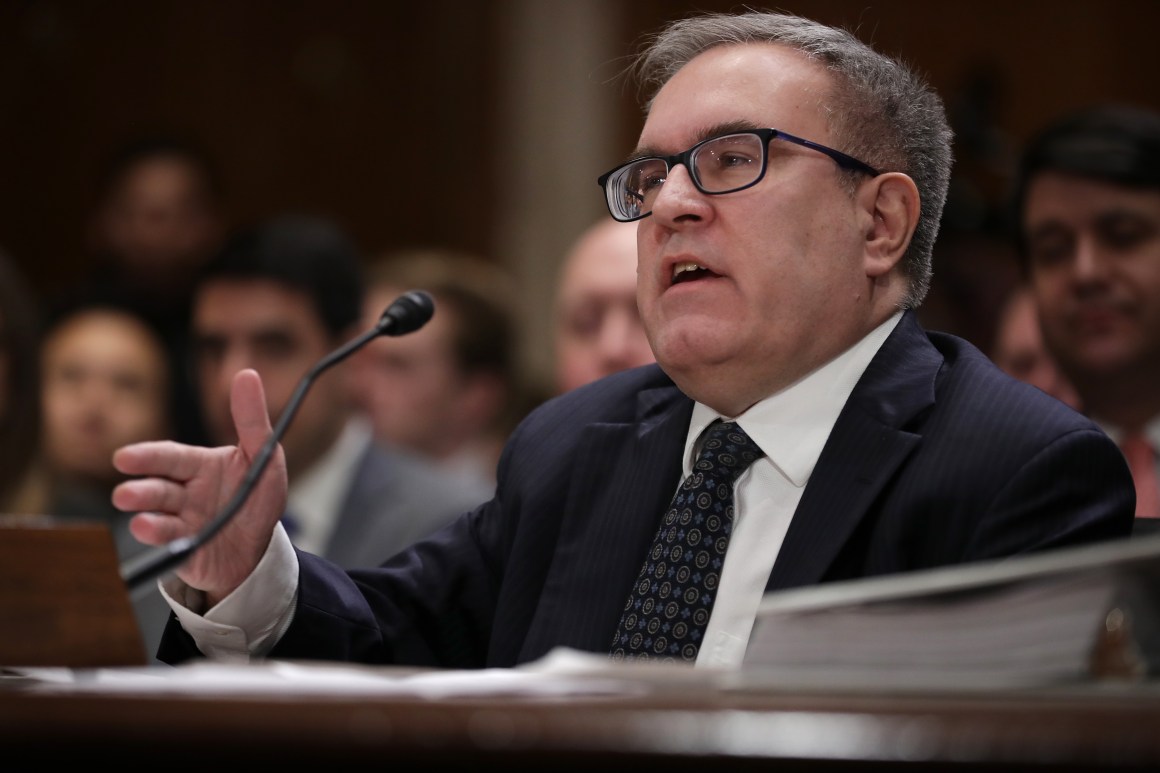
(791, 427)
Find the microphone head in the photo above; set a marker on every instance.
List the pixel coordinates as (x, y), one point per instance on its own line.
(407, 313)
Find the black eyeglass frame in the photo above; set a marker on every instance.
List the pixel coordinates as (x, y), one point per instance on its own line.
(843, 160)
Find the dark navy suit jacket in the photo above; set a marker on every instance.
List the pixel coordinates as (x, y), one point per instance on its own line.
(937, 458)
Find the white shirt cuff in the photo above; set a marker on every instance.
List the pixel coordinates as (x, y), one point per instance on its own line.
(246, 624)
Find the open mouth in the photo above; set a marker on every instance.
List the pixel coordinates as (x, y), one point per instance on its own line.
(688, 272)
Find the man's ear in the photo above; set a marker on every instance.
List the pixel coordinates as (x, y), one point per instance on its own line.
(891, 200)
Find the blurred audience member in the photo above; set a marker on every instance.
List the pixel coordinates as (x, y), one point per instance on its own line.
(1088, 207)
(22, 488)
(105, 382)
(277, 299)
(598, 327)
(1018, 348)
(452, 390)
(157, 218)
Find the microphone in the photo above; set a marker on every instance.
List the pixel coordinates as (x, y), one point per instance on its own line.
(406, 314)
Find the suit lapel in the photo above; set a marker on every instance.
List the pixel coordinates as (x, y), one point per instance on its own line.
(625, 475)
(623, 479)
(865, 448)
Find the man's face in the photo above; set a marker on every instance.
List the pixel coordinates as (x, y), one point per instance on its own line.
(780, 288)
(261, 324)
(411, 386)
(158, 221)
(105, 382)
(1020, 351)
(1094, 253)
(598, 327)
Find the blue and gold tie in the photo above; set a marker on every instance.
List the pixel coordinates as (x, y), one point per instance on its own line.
(670, 603)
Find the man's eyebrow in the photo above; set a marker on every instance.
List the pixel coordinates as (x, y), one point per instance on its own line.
(270, 335)
(1045, 229)
(1121, 213)
(716, 130)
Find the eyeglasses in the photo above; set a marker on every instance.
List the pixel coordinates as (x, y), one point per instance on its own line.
(725, 164)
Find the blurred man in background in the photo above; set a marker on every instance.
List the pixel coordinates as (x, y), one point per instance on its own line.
(1088, 209)
(451, 391)
(278, 298)
(597, 326)
(158, 217)
(1018, 347)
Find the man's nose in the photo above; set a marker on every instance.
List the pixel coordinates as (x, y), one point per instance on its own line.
(1090, 262)
(679, 197)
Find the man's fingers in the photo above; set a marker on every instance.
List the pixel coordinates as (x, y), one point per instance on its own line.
(248, 407)
(154, 529)
(154, 494)
(163, 458)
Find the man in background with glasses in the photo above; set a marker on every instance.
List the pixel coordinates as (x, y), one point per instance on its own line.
(787, 185)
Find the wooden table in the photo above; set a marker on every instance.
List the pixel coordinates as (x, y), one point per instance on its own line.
(1099, 726)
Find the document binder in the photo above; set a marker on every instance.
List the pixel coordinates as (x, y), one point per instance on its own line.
(1061, 616)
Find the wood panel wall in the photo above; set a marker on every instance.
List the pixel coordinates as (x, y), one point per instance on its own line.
(390, 116)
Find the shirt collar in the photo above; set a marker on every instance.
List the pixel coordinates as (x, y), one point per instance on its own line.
(793, 425)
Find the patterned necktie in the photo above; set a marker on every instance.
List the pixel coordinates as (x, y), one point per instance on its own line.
(670, 602)
(1142, 462)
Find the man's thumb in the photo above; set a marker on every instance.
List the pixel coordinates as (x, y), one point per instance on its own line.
(248, 408)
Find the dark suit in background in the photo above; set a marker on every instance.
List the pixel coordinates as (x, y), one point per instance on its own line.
(394, 499)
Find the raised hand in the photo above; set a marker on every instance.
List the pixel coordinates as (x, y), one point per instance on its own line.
(178, 489)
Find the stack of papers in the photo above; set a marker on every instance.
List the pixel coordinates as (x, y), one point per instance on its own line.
(561, 673)
(1052, 618)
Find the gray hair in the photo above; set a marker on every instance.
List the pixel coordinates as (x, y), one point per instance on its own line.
(881, 111)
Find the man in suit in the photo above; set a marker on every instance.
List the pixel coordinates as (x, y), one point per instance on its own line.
(1088, 210)
(277, 298)
(452, 391)
(777, 280)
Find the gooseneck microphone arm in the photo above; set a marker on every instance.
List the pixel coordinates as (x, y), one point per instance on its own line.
(409, 312)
